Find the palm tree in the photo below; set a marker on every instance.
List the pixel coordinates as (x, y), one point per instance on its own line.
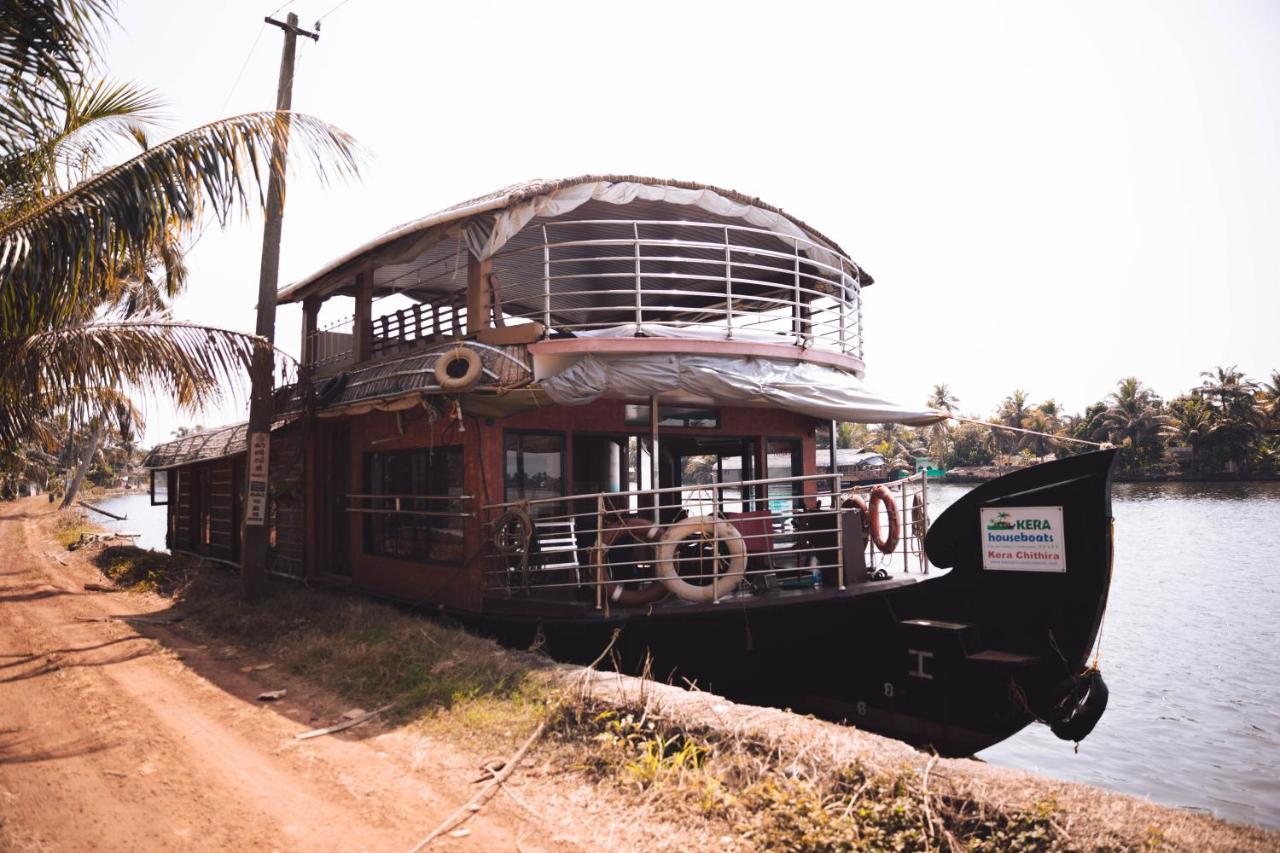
(1237, 423)
(1189, 423)
(943, 400)
(1268, 403)
(1132, 421)
(85, 247)
(1013, 412)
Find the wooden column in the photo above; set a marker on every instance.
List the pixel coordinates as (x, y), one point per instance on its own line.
(310, 311)
(477, 294)
(362, 326)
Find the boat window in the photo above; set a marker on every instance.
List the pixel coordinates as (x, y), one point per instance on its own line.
(673, 416)
(784, 460)
(724, 461)
(534, 469)
(403, 525)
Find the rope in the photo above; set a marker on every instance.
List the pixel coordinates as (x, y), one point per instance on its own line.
(1099, 444)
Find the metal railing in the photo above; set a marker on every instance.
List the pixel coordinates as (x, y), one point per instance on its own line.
(709, 279)
(659, 278)
(385, 504)
(788, 531)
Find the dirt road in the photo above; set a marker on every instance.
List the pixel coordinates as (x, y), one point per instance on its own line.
(115, 740)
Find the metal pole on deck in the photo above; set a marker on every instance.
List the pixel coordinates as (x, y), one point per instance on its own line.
(253, 564)
(653, 458)
(835, 468)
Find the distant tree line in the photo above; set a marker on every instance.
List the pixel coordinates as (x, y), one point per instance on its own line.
(1227, 425)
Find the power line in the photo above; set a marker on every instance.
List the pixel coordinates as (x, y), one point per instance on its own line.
(331, 11)
(248, 57)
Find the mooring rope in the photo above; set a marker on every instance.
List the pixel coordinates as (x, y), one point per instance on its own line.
(1100, 444)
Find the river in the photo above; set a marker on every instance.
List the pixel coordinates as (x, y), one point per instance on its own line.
(1189, 650)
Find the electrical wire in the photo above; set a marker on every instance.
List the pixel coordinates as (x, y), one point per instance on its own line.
(245, 65)
(331, 11)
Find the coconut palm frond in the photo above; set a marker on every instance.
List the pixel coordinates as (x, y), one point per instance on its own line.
(92, 117)
(42, 41)
(74, 366)
(51, 253)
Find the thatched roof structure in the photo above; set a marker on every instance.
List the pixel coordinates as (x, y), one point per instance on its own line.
(390, 384)
(204, 446)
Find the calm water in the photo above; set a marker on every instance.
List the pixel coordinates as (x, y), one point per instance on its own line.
(142, 518)
(1190, 649)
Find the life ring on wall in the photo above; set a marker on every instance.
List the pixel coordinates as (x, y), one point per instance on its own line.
(446, 371)
(512, 531)
(616, 590)
(731, 545)
(886, 544)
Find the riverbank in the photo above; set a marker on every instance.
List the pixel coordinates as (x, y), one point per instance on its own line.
(981, 474)
(641, 764)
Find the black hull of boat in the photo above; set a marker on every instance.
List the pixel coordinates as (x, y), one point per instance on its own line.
(955, 662)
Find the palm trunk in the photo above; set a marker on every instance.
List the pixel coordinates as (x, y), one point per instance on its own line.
(90, 450)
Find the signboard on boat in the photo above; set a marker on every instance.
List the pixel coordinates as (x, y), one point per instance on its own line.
(1023, 539)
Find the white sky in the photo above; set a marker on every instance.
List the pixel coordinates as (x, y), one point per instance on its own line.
(1050, 195)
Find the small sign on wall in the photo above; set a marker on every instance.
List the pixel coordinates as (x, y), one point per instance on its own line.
(259, 448)
(1023, 539)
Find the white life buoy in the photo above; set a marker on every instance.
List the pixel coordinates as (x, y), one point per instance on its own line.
(445, 376)
(731, 548)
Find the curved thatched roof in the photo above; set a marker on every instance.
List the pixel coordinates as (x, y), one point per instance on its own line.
(203, 446)
(397, 245)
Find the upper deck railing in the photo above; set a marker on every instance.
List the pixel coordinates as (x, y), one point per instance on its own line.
(651, 278)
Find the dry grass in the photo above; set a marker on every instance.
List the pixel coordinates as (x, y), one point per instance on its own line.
(773, 799)
(70, 526)
(722, 776)
(366, 653)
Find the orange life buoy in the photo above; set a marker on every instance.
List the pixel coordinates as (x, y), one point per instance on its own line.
(886, 544)
(616, 591)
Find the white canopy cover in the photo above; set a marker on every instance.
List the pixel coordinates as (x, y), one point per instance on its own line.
(804, 387)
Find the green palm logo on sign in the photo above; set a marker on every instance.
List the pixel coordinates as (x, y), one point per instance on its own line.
(1001, 522)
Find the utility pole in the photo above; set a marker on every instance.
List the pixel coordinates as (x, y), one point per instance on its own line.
(254, 541)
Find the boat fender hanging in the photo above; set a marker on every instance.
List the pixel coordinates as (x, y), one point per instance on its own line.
(886, 543)
(616, 591)
(458, 369)
(731, 544)
(856, 502)
(1079, 711)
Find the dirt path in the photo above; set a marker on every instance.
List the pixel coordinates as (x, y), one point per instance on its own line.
(112, 740)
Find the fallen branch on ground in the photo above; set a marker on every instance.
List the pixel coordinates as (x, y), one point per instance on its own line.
(328, 730)
(477, 802)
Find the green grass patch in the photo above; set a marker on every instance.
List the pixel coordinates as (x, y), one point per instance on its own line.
(70, 527)
(764, 798)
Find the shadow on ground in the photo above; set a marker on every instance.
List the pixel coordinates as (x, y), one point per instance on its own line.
(331, 651)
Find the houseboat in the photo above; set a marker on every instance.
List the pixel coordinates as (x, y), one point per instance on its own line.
(585, 414)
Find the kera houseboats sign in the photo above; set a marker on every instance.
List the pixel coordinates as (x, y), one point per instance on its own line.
(1023, 539)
